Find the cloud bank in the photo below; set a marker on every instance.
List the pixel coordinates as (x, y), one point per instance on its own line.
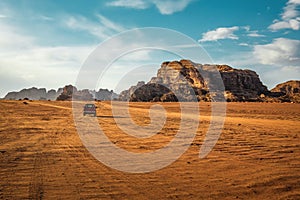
(290, 17)
(281, 52)
(165, 7)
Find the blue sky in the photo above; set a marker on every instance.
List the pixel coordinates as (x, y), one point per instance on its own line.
(44, 43)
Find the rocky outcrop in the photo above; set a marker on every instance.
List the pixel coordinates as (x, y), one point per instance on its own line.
(104, 95)
(185, 79)
(182, 72)
(70, 92)
(287, 92)
(33, 94)
(241, 85)
(126, 94)
(152, 92)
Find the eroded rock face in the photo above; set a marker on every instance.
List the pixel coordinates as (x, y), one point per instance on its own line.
(289, 87)
(126, 94)
(287, 92)
(33, 94)
(152, 92)
(52, 94)
(181, 72)
(185, 81)
(70, 92)
(105, 95)
(241, 85)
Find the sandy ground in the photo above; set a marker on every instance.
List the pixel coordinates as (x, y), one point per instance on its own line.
(256, 157)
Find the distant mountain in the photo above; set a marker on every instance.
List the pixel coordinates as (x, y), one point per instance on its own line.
(34, 94)
(63, 94)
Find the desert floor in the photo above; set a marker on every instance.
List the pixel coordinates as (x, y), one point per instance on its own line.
(256, 157)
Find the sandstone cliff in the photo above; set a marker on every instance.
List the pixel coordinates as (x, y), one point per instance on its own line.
(185, 79)
(287, 92)
(241, 85)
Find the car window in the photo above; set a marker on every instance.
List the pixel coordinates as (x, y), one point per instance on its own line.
(90, 106)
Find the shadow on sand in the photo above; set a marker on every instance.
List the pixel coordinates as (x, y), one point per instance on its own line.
(109, 116)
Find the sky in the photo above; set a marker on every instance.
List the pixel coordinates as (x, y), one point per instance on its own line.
(45, 43)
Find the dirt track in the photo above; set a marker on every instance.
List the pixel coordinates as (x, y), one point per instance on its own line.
(257, 156)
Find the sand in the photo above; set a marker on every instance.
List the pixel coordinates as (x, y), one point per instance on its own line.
(256, 157)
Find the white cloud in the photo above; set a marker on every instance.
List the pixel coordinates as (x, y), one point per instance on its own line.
(251, 33)
(281, 52)
(290, 10)
(289, 18)
(165, 7)
(243, 44)
(280, 74)
(294, 1)
(277, 25)
(137, 4)
(108, 24)
(102, 29)
(46, 18)
(220, 33)
(254, 34)
(247, 28)
(24, 63)
(10, 38)
(295, 23)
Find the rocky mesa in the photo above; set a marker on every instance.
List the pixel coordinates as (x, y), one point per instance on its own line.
(185, 79)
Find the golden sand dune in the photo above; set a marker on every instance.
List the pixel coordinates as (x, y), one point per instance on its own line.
(256, 157)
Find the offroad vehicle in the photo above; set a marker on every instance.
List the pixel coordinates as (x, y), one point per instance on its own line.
(89, 109)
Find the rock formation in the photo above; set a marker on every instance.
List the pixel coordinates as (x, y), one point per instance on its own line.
(184, 78)
(241, 85)
(70, 92)
(180, 81)
(287, 92)
(65, 93)
(126, 94)
(104, 95)
(33, 94)
(153, 92)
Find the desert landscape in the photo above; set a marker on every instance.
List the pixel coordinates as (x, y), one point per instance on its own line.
(256, 157)
(150, 99)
